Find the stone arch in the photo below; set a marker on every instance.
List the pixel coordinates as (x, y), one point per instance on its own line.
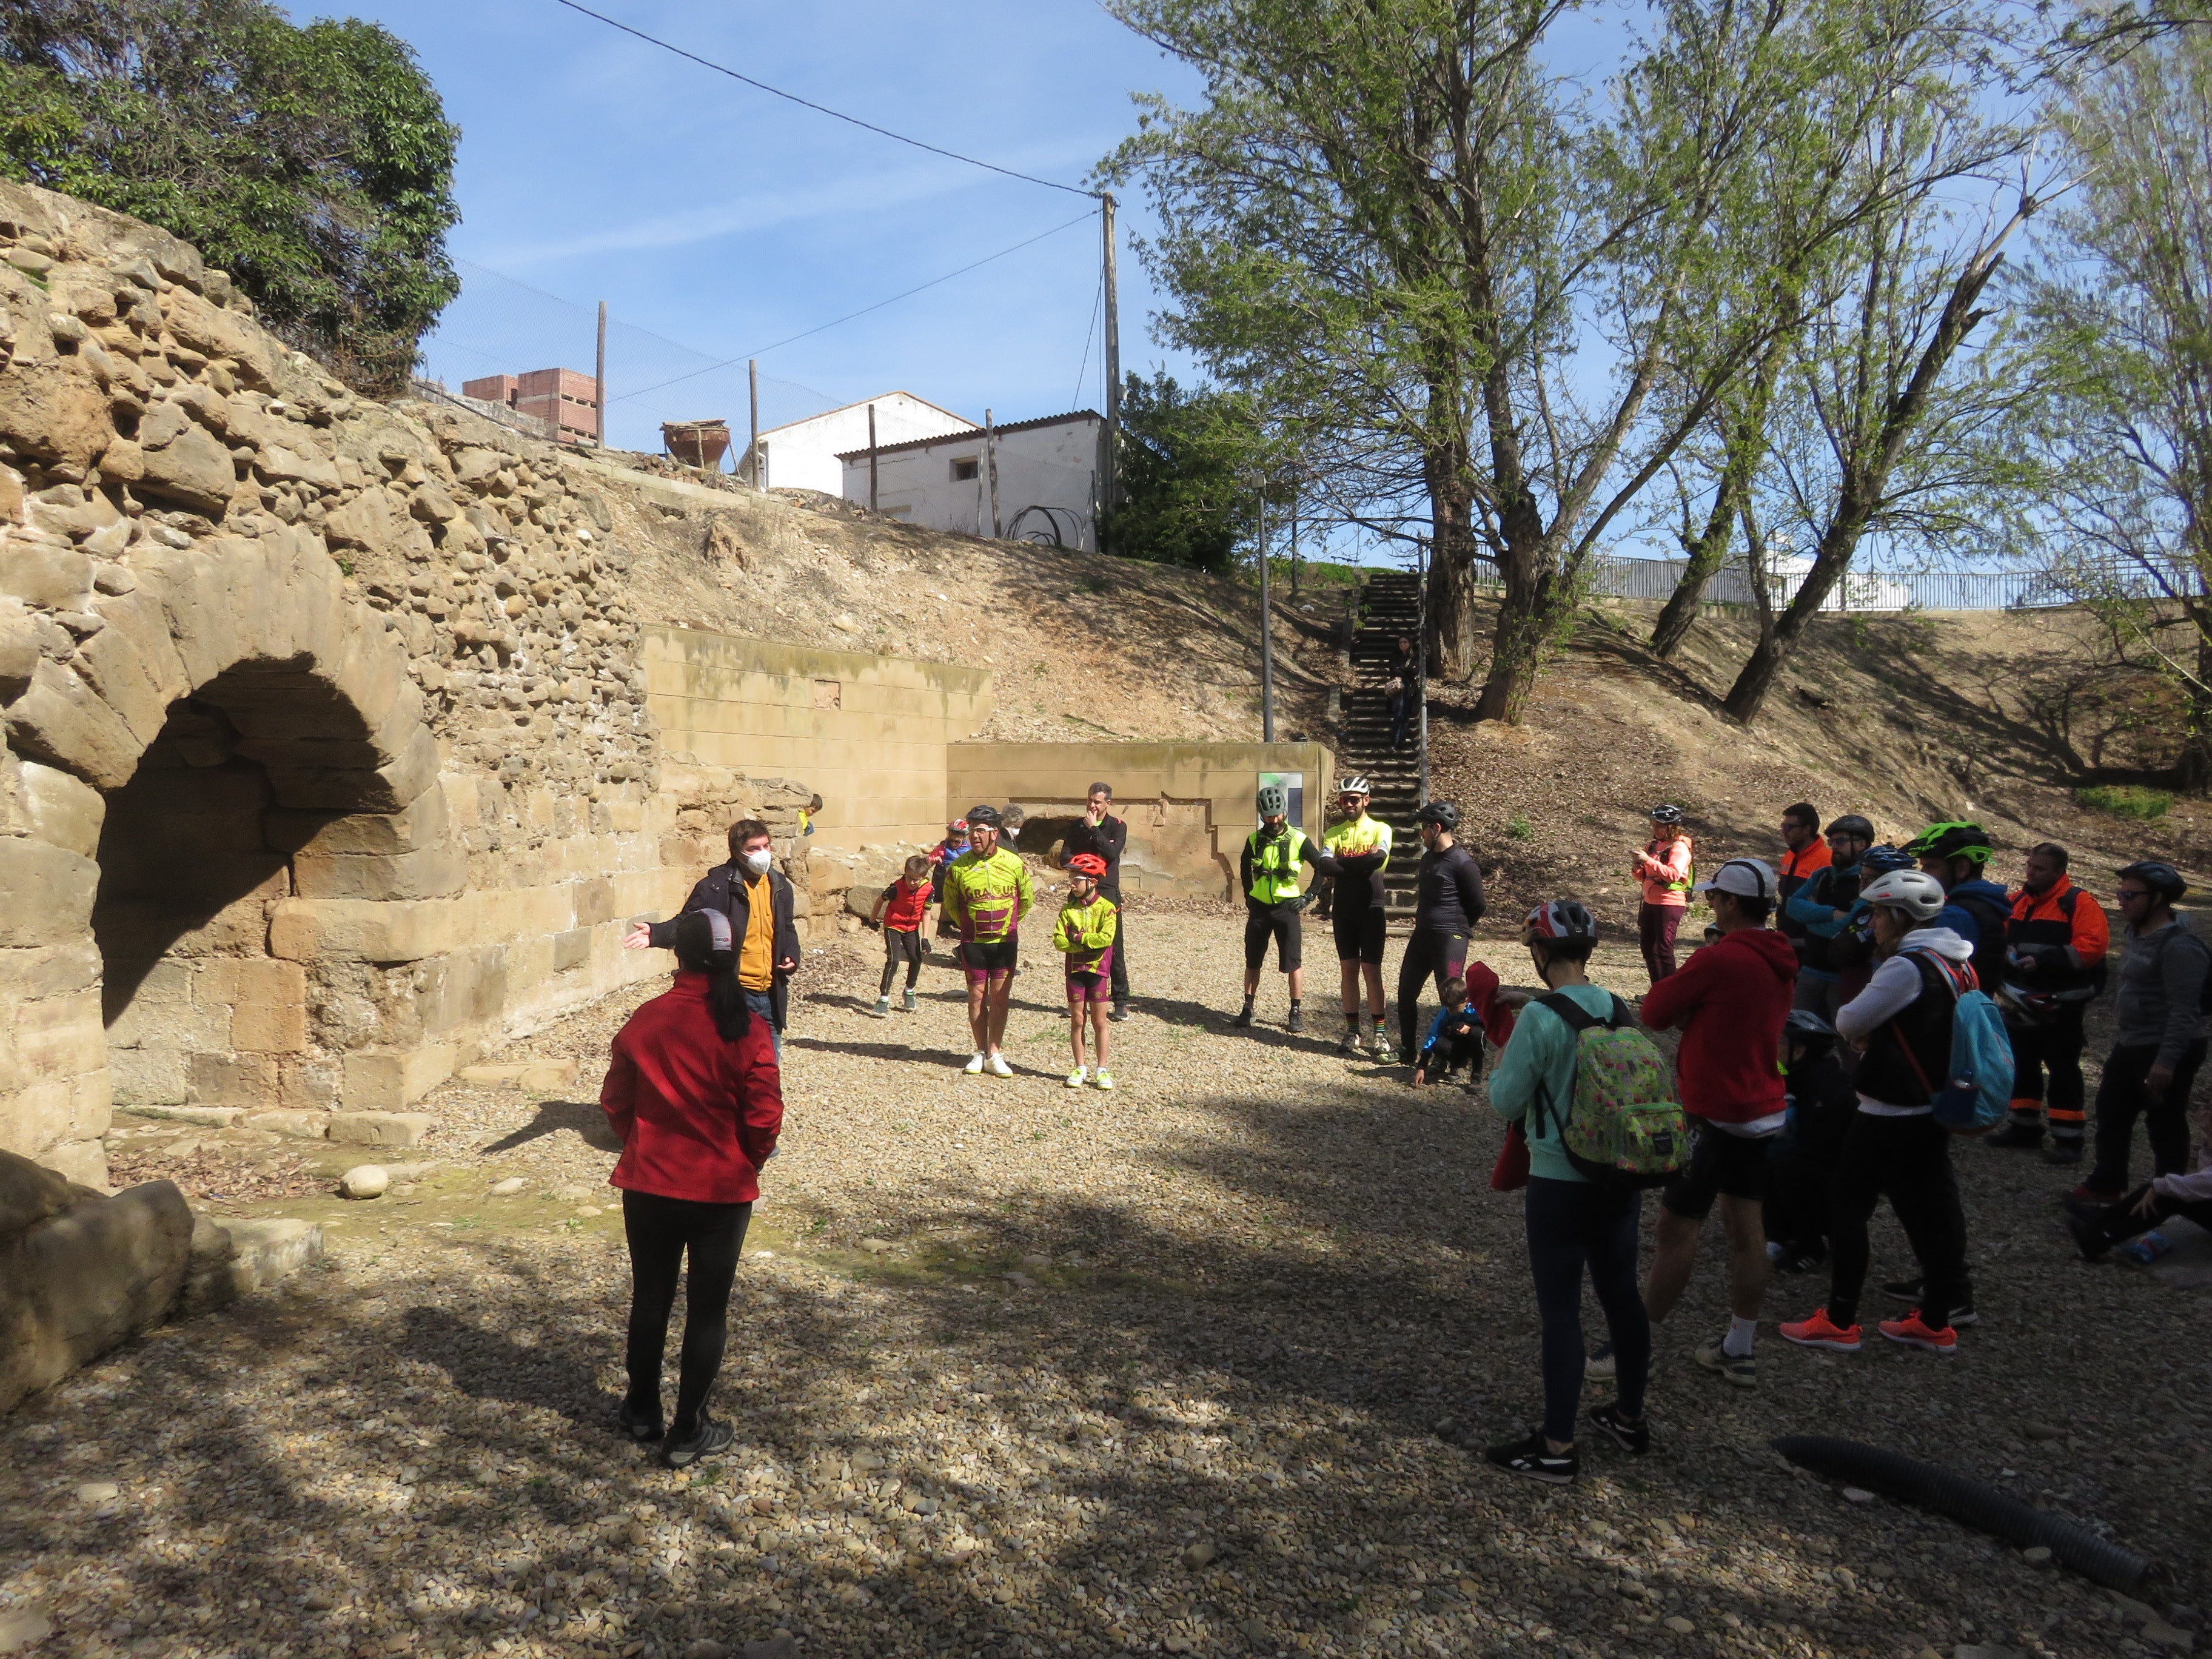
(237, 731)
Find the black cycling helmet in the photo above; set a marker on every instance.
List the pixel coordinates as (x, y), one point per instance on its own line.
(1442, 813)
(1957, 839)
(1809, 1031)
(1850, 824)
(2159, 875)
(985, 818)
(1666, 814)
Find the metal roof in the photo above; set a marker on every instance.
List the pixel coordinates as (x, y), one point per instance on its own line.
(970, 436)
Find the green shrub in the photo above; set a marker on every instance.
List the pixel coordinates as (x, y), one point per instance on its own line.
(1517, 828)
(2126, 800)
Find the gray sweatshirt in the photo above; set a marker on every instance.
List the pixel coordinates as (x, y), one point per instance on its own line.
(2161, 980)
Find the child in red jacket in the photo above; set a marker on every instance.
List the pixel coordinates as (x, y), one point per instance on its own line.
(693, 1090)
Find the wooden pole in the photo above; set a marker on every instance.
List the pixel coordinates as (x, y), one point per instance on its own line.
(753, 448)
(1294, 544)
(871, 458)
(1266, 633)
(1111, 492)
(991, 459)
(600, 390)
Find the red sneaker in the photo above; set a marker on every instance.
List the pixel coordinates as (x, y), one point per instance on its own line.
(2088, 1194)
(1822, 1332)
(1914, 1333)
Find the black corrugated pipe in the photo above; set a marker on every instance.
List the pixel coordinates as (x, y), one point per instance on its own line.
(1969, 1503)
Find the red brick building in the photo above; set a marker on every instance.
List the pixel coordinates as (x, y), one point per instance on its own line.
(568, 401)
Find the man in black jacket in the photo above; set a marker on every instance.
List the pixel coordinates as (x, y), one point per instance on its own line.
(1448, 902)
(1099, 832)
(757, 899)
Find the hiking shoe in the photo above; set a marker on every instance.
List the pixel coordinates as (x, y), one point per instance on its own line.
(1077, 1078)
(2019, 1134)
(1738, 1370)
(1601, 1364)
(909, 1005)
(999, 1066)
(2063, 1152)
(1913, 1331)
(2089, 1237)
(1821, 1332)
(883, 1008)
(1104, 1079)
(642, 1426)
(1533, 1459)
(1121, 1011)
(1243, 1018)
(1634, 1438)
(1908, 1289)
(705, 1441)
(1296, 1023)
(975, 1066)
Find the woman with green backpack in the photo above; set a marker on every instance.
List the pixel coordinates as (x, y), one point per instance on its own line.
(1579, 1047)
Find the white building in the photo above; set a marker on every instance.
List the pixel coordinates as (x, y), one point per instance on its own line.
(1048, 480)
(802, 454)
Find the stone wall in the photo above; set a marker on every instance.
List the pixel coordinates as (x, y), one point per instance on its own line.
(328, 759)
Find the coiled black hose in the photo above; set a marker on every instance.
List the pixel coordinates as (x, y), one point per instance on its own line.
(1967, 1502)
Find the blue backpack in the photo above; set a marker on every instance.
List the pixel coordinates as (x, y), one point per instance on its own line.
(1977, 1091)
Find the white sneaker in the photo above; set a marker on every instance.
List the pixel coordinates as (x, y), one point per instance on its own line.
(883, 1008)
(975, 1066)
(1105, 1079)
(1077, 1078)
(999, 1066)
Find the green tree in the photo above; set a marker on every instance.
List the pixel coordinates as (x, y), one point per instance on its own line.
(1188, 464)
(314, 164)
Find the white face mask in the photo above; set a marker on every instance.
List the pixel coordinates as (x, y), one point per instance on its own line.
(757, 861)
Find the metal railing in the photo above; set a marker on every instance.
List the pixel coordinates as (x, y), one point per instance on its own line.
(1612, 577)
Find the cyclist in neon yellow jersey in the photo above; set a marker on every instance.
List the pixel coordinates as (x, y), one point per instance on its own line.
(986, 891)
(1361, 845)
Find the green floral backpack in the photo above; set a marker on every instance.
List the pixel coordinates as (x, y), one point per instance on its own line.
(1624, 1128)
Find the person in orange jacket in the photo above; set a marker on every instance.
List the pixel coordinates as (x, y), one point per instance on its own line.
(2056, 943)
(1664, 869)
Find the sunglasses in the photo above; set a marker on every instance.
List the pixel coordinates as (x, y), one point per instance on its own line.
(2130, 895)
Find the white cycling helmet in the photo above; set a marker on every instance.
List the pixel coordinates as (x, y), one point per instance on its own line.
(1354, 785)
(1918, 894)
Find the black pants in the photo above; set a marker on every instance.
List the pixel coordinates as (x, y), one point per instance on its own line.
(1573, 1224)
(2121, 1099)
(1429, 955)
(1117, 969)
(2053, 1048)
(1906, 1160)
(2116, 1223)
(661, 1229)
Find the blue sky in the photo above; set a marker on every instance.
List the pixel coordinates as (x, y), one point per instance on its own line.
(593, 166)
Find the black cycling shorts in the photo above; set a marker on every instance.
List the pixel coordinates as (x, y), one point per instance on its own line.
(1359, 934)
(1719, 1163)
(995, 957)
(1278, 922)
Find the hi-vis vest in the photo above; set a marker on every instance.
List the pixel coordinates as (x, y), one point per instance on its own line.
(1275, 866)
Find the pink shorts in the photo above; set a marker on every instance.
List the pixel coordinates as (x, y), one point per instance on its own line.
(1094, 983)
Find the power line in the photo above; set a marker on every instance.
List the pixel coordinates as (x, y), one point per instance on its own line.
(788, 339)
(1075, 401)
(824, 109)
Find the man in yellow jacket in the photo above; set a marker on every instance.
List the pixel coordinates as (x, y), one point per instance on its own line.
(987, 890)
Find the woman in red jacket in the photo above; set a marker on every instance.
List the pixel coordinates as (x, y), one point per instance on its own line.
(694, 1092)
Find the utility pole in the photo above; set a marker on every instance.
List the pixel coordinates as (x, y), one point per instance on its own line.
(1294, 544)
(1266, 633)
(990, 465)
(871, 458)
(752, 449)
(599, 391)
(1112, 492)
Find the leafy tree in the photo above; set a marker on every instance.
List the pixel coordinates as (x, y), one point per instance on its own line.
(2122, 319)
(1188, 466)
(314, 164)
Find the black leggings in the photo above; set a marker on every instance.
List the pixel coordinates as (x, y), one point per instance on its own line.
(1908, 1161)
(659, 1231)
(1573, 1225)
(1430, 954)
(2121, 1098)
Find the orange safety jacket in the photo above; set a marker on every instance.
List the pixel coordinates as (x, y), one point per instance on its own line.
(2062, 915)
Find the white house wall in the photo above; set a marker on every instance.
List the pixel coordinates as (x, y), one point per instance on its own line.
(804, 454)
(1047, 484)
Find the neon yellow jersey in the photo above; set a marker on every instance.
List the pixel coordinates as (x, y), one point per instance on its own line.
(1356, 837)
(1084, 931)
(1274, 862)
(986, 896)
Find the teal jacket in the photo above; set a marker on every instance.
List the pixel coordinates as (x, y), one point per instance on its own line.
(1541, 1054)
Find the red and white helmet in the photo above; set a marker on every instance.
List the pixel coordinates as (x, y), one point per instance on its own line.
(1562, 918)
(1919, 895)
(1088, 864)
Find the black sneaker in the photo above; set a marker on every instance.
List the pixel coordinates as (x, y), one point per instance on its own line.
(2089, 1237)
(2020, 1135)
(1244, 1019)
(2066, 1152)
(1533, 1459)
(709, 1439)
(1634, 1438)
(1121, 1011)
(1908, 1289)
(1802, 1260)
(1296, 1023)
(642, 1426)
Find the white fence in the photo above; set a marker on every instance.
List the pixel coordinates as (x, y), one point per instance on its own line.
(1936, 590)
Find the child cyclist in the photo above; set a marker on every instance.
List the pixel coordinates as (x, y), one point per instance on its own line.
(899, 910)
(1085, 932)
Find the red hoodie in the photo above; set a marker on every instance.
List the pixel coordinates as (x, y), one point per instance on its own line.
(698, 1116)
(1730, 999)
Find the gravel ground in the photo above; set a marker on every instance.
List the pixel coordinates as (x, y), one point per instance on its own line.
(1020, 1371)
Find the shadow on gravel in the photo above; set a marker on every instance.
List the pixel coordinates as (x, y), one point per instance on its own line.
(585, 1117)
